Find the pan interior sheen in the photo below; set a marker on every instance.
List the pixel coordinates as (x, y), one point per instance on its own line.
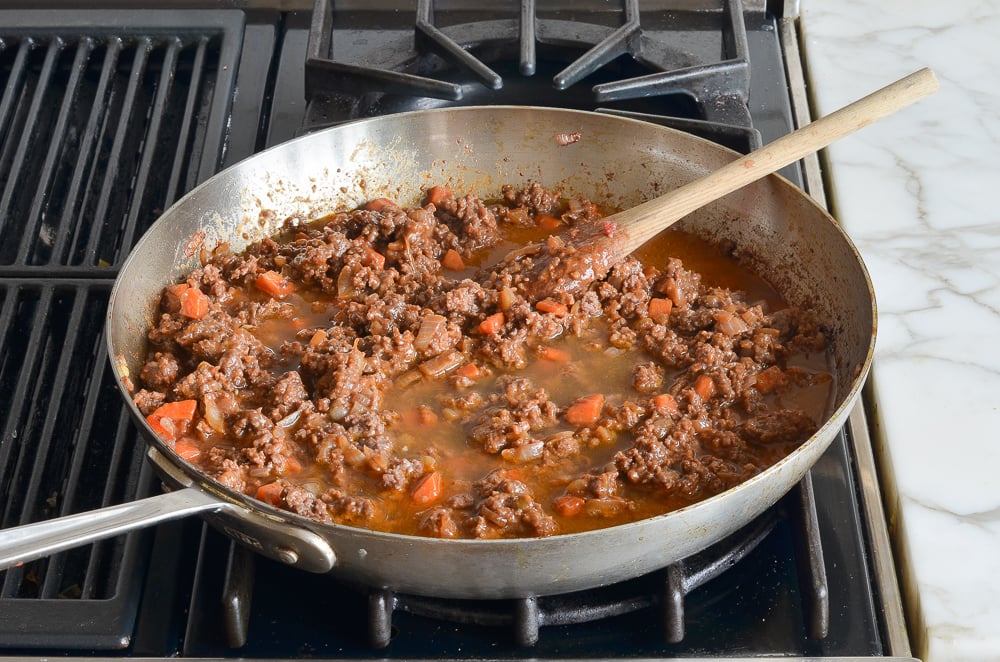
(618, 162)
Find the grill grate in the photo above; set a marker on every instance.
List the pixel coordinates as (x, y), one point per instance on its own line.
(100, 129)
(64, 423)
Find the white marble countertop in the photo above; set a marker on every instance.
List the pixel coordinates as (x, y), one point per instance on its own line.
(920, 195)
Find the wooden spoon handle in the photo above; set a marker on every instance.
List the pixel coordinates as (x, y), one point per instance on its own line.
(645, 221)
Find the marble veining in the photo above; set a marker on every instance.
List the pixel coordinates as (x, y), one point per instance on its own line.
(919, 193)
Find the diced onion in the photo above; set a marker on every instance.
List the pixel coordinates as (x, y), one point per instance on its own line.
(430, 327)
(605, 507)
(507, 298)
(214, 415)
(378, 461)
(555, 243)
(441, 364)
(519, 216)
(345, 284)
(318, 338)
(729, 324)
(674, 292)
(524, 452)
(564, 434)
(353, 456)
(290, 420)
(409, 377)
(492, 516)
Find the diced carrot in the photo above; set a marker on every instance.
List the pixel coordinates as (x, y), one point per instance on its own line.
(271, 282)
(469, 371)
(373, 258)
(568, 505)
(452, 260)
(161, 432)
(438, 194)
(428, 489)
(182, 410)
(553, 353)
(164, 419)
(420, 416)
(666, 402)
(586, 410)
(491, 324)
(659, 308)
(704, 386)
(270, 493)
(292, 466)
(194, 303)
(426, 415)
(187, 449)
(552, 306)
(172, 297)
(548, 222)
(380, 204)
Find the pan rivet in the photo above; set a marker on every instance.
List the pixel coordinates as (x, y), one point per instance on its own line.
(288, 555)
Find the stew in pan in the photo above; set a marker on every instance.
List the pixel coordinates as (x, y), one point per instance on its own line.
(379, 368)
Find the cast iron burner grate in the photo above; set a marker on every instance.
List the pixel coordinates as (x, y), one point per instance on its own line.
(64, 424)
(629, 58)
(663, 590)
(101, 128)
(104, 121)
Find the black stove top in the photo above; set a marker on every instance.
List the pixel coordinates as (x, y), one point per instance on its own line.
(102, 128)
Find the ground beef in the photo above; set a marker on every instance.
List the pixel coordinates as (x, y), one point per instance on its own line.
(647, 378)
(534, 199)
(161, 371)
(507, 508)
(286, 396)
(477, 226)
(148, 401)
(352, 370)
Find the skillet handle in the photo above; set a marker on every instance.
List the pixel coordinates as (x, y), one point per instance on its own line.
(32, 541)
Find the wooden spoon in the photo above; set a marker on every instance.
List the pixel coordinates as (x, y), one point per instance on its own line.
(571, 260)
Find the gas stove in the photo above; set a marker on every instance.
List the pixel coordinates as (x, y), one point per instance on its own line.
(101, 128)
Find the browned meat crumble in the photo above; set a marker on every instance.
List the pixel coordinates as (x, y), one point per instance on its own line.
(372, 369)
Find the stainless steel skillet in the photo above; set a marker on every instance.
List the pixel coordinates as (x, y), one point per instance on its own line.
(617, 162)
